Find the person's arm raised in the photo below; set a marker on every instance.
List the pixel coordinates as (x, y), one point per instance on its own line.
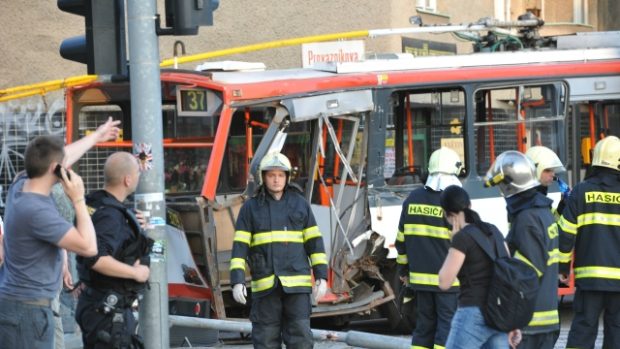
(106, 132)
(80, 239)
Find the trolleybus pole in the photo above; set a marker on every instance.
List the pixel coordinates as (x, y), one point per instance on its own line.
(147, 135)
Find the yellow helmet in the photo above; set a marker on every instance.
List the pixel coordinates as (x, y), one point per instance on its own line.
(445, 160)
(274, 161)
(513, 173)
(544, 159)
(607, 153)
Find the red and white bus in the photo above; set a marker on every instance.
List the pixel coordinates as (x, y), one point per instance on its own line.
(359, 135)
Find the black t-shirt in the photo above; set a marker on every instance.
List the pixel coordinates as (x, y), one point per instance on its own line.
(475, 274)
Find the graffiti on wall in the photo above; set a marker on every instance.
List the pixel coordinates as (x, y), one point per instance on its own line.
(20, 121)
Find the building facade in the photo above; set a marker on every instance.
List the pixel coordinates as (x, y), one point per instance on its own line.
(31, 35)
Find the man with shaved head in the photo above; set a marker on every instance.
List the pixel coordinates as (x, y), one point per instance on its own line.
(115, 278)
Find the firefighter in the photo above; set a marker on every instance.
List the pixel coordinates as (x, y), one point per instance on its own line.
(277, 235)
(116, 277)
(548, 165)
(532, 238)
(422, 243)
(590, 224)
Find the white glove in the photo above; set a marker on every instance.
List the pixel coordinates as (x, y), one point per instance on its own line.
(239, 293)
(319, 290)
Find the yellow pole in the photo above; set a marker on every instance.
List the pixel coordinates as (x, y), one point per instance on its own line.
(265, 46)
(44, 87)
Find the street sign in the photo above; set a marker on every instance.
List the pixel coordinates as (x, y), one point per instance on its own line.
(332, 51)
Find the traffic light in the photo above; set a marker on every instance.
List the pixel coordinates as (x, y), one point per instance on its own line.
(102, 48)
(183, 17)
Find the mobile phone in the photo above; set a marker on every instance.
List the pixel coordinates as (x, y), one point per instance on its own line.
(58, 173)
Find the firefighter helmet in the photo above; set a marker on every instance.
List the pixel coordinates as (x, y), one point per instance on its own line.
(274, 161)
(445, 160)
(513, 173)
(607, 153)
(544, 159)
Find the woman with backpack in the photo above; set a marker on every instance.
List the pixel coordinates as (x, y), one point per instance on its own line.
(474, 268)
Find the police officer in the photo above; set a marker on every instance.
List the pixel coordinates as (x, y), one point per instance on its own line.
(532, 238)
(277, 235)
(548, 165)
(422, 243)
(116, 277)
(590, 224)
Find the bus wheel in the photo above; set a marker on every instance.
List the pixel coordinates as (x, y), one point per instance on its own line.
(400, 311)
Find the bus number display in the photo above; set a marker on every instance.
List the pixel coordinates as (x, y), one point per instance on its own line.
(193, 101)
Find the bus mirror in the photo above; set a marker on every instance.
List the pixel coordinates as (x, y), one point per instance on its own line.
(308, 108)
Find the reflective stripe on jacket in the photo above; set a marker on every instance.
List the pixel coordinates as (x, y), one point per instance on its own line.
(280, 241)
(591, 224)
(423, 240)
(533, 239)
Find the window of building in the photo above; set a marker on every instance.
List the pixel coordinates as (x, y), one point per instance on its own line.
(426, 5)
(580, 11)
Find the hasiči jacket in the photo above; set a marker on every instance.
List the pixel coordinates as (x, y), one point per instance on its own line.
(591, 224)
(280, 241)
(423, 240)
(533, 238)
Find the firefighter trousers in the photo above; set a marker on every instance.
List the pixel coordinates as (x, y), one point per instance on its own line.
(587, 307)
(434, 312)
(539, 340)
(281, 317)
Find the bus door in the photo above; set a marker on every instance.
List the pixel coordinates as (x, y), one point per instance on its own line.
(594, 114)
(323, 136)
(248, 125)
(512, 118)
(417, 122)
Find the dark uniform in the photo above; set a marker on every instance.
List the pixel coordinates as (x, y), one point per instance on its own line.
(104, 310)
(422, 243)
(533, 238)
(591, 224)
(281, 242)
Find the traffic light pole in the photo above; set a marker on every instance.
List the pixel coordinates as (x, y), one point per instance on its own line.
(147, 135)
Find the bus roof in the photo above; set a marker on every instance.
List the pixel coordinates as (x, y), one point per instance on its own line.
(267, 75)
(410, 62)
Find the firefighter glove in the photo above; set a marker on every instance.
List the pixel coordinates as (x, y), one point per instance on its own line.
(239, 293)
(319, 290)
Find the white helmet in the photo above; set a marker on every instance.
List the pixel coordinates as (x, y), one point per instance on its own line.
(513, 173)
(607, 153)
(445, 160)
(274, 161)
(544, 159)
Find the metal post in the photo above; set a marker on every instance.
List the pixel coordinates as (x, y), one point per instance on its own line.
(147, 138)
(354, 338)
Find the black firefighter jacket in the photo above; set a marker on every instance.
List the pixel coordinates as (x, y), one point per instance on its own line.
(423, 240)
(280, 241)
(591, 224)
(533, 238)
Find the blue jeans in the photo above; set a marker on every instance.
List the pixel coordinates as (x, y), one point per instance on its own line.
(25, 326)
(469, 331)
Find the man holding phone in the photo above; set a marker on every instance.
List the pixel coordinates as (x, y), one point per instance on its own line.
(35, 234)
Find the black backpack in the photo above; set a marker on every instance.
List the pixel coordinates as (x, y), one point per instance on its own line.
(513, 288)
